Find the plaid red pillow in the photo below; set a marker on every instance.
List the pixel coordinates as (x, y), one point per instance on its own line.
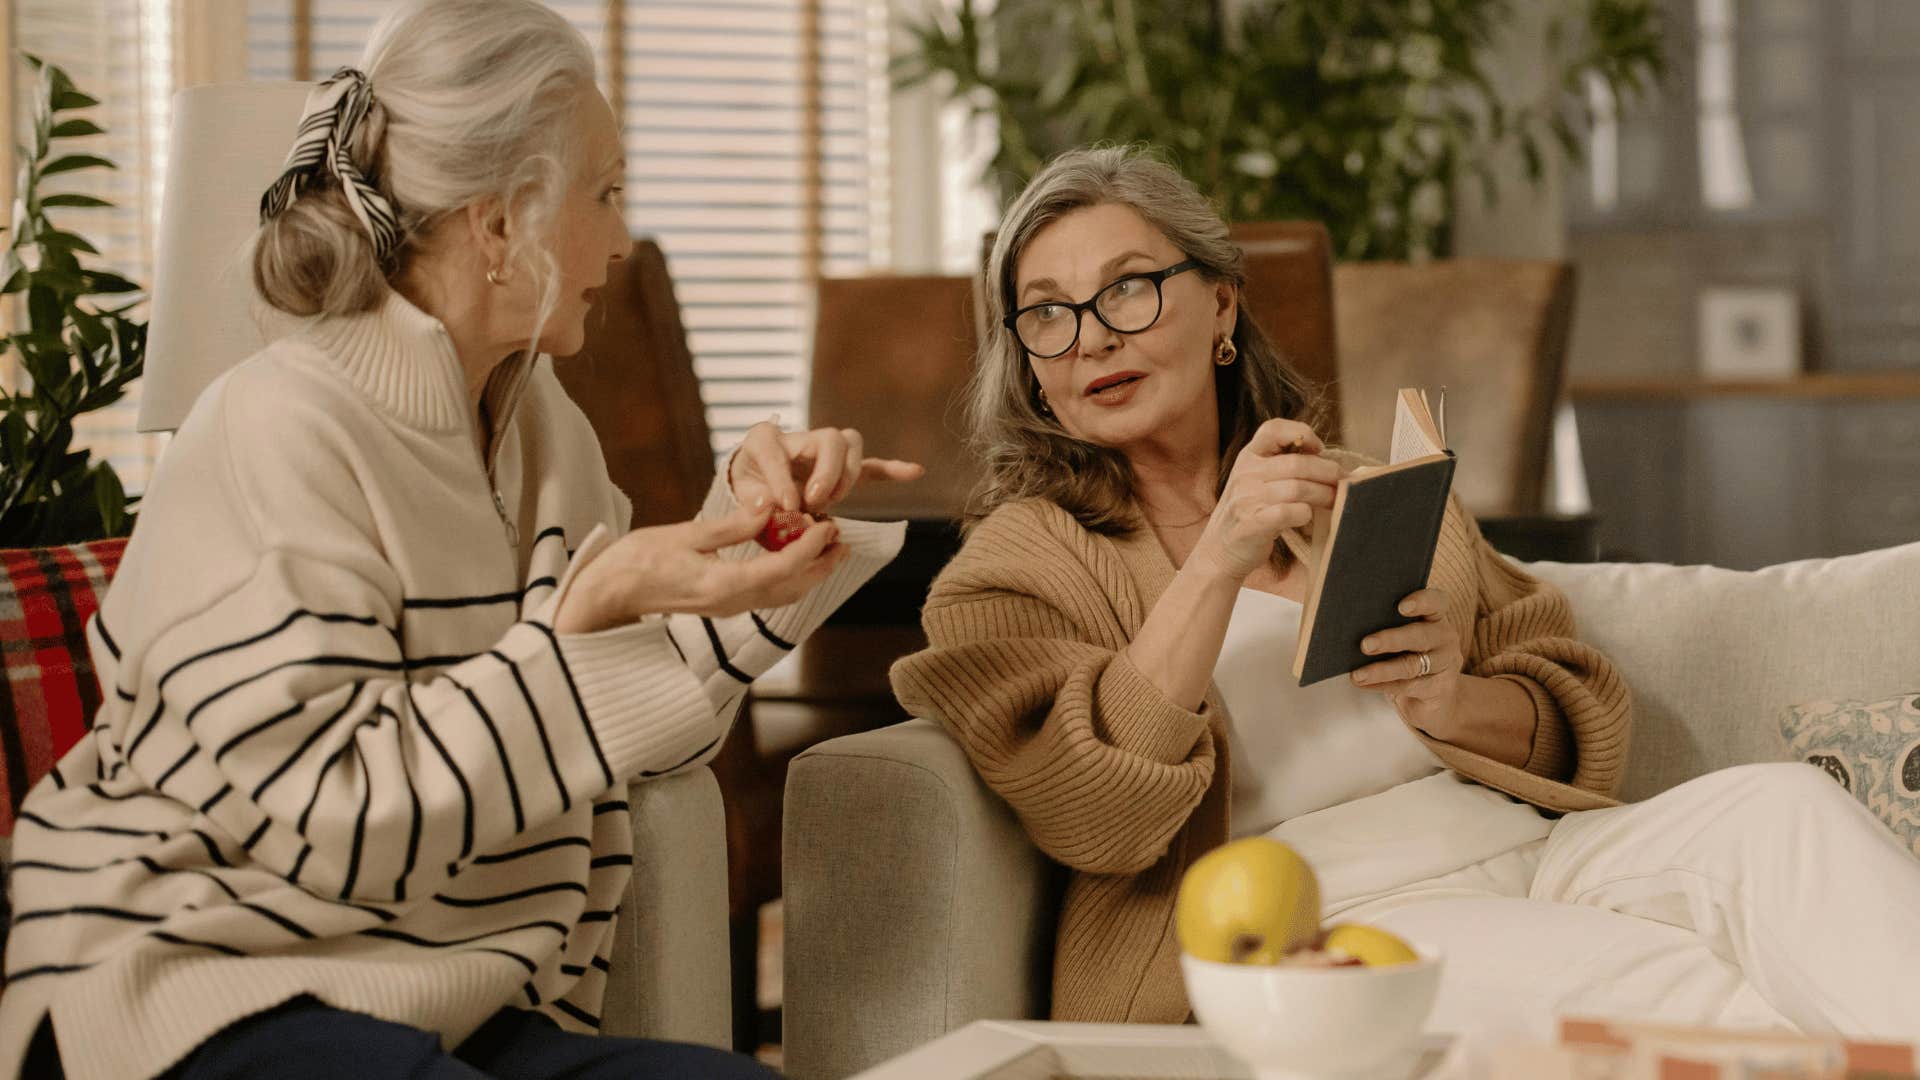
(46, 597)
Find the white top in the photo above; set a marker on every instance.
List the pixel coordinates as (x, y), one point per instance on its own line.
(1299, 749)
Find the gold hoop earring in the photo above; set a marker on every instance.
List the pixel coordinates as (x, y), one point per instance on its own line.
(1227, 353)
(496, 276)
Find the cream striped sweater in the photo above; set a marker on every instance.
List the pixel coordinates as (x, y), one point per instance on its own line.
(1027, 670)
(343, 752)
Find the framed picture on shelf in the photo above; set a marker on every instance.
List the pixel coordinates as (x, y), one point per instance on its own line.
(1749, 332)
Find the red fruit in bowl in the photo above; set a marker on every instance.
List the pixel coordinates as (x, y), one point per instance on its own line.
(783, 528)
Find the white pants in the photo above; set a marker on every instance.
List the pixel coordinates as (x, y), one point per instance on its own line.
(1756, 896)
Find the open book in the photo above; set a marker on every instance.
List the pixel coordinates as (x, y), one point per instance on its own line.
(1376, 545)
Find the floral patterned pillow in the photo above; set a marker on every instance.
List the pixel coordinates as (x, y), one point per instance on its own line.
(1872, 748)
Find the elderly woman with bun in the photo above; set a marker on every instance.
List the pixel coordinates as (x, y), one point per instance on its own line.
(383, 655)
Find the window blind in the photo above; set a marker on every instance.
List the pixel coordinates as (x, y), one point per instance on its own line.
(119, 52)
(755, 133)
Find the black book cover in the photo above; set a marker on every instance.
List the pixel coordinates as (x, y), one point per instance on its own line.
(1379, 548)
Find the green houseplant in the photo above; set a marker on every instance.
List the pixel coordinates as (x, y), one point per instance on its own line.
(70, 354)
(1362, 114)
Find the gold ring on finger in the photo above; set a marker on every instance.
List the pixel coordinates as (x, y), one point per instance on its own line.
(1426, 666)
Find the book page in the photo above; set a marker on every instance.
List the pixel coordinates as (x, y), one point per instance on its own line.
(1414, 434)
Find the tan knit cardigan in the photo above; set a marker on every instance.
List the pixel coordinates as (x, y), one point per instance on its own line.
(1026, 669)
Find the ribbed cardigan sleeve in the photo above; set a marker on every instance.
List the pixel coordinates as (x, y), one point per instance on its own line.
(1523, 632)
(1026, 669)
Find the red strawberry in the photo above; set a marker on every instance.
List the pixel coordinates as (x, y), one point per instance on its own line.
(783, 528)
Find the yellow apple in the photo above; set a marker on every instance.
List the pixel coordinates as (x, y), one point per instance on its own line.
(1248, 902)
(1370, 945)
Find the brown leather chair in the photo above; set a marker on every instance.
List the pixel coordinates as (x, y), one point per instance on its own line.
(891, 356)
(1493, 331)
(634, 379)
(1289, 293)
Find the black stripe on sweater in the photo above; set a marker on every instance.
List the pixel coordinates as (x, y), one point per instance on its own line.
(413, 603)
(453, 943)
(152, 867)
(312, 737)
(285, 714)
(603, 963)
(416, 825)
(578, 1013)
(105, 830)
(500, 748)
(45, 969)
(512, 897)
(323, 661)
(225, 790)
(766, 631)
(417, 663)
(302, 613)
(254, 837)
(610, 806)
(575, 970)
(521, 853)
(281, 921)
(610, 860)
(359, 820)
(539, 726)
(598, 916)
(193, 749)
(466, 789)
(213, 849)
(720, 653)
(97, 910)
(113, 647)
(175, 939)
(102, 793)
(579, 703)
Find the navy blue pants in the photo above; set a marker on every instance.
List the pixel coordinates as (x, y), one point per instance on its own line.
(306, 1040)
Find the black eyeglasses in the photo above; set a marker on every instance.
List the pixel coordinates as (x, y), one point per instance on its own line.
(1125, 305)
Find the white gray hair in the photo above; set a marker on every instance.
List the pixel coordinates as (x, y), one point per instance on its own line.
(470, 98)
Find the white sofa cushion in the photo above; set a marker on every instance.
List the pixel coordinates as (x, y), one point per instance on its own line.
(1715, 656)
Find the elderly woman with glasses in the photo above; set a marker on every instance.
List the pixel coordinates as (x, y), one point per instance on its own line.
(1110, 649)
(384, 656)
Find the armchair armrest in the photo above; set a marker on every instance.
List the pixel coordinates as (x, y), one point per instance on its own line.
(670, 977)
(914, 901)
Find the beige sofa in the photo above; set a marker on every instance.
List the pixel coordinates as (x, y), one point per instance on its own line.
(914, 903)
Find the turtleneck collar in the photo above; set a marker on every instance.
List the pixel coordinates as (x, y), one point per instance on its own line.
(404, 361)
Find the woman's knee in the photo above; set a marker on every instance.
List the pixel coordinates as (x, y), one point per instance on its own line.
(1789, 787)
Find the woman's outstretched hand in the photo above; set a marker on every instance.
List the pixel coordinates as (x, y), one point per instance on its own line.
(806, 471)
(677, 568)
(1426, 693)
(1277, 482)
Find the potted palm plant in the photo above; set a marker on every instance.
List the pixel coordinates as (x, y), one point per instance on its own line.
(1362, 114)
(72, 346)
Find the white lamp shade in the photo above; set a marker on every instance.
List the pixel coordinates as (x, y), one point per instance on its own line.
(227, 145)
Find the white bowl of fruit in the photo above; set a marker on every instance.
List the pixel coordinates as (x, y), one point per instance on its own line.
(1292, 999)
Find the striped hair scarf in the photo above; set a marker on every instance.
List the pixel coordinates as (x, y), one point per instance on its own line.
(335, 110)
